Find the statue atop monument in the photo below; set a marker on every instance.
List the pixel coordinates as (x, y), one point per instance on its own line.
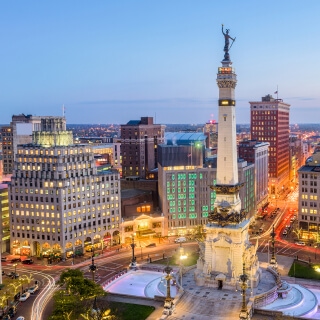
(227, 45)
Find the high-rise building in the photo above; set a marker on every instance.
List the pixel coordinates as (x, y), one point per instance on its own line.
(211, 131)
(309, 199)
(296, 158)
(18, 132)
(60, 204)
(139, 142)
(270, 123)
(5, 219)
(257, 152)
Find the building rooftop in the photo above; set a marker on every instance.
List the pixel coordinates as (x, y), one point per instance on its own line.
(183, 138)
(130, 193)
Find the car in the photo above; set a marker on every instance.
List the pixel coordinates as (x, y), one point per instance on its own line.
(33, 289)
(20, 318)
(3, 259)
(6, 317)
(13, 275)
(180, 239)
(285, 232)
(27, 261)
(300, 243)
(24, 296)
(12, 311)
(15, 260)
(151, 245)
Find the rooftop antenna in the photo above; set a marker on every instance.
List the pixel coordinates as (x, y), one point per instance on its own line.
(277, 93)
(63, 111)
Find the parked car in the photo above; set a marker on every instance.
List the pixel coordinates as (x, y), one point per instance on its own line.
(20, 318)
(33, 289)
(17, 296)
(24, 296)
(15, 260)
(27, 261)
(3, 259)
(300, 243)
(151, 245)
(13, 275)
(180, 239)
(12, 311)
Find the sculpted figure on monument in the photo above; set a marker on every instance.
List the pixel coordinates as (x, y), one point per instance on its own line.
(227, 45)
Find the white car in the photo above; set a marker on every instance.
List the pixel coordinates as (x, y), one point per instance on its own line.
(300, 243)
(180, 239)
(24, 296)
(21, 318)
(33, 289)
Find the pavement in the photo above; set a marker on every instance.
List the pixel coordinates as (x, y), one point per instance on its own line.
(202, 303)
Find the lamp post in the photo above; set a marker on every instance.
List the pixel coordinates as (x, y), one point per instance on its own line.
(15, 269)
(244, 315)
(168, 304)
(133, 259)
(182, 257)
(273, 260)
(92, 267)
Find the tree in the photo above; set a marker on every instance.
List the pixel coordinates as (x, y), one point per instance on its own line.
(75, 298)
(76, 284)
(98, 309)
(298, 232)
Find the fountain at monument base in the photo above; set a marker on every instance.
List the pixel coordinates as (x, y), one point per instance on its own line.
(140, 283)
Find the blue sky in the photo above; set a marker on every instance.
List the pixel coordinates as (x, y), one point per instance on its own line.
(113, 61)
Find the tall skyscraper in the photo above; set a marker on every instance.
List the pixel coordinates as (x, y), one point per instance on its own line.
(59, 203)
(309, 199)
(139, 142)
(20, 131)
(257, 152)
(270, 123)
(211, 131)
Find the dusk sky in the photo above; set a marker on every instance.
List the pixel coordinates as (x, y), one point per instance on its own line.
(115, 61)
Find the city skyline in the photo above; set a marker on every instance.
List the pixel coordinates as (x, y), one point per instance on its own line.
(113, 62)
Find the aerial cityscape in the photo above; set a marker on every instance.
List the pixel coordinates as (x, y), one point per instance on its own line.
(158, 164)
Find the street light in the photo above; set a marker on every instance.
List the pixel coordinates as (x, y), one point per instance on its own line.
(168, 304)
(15, 269)
(133, 259)
(182, 257)
(92, 267)
(244, 315)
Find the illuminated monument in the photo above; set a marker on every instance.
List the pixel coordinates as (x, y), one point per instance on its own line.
(226, 251)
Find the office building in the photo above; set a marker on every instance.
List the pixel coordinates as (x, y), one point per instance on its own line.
(309, 200)
(60, 204)
(18, 132)
(270, 123)
(256, 152)
(211, 131)
(5, 219)
(139, 142)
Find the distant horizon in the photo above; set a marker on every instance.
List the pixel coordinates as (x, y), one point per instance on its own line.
(191, 124)
(122, 59)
